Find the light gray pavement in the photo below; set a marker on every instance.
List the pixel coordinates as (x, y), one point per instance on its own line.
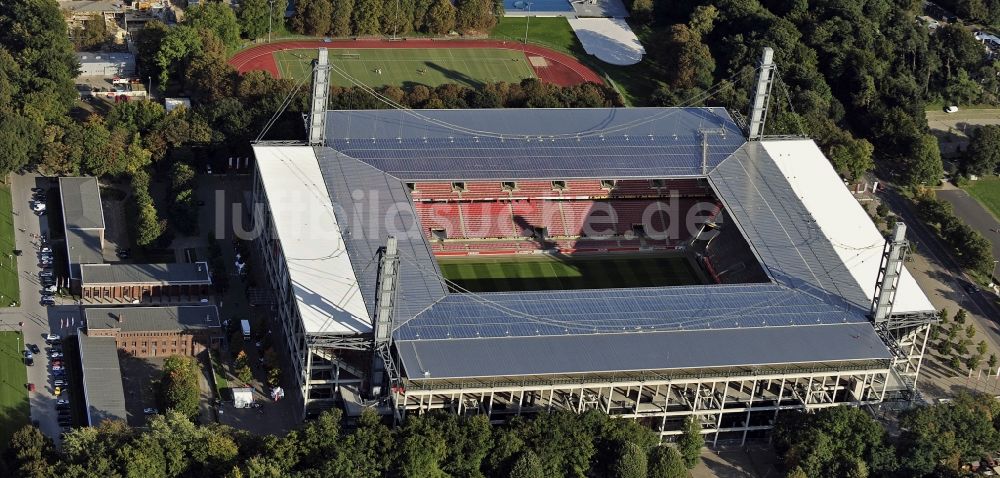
(953, 129)
(943, 281)
(37, 319)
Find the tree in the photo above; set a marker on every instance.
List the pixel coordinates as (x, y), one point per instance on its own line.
(527, 465)
(475, 16)
(312, 17)
(217, 17)
(974, 361)
(642, 10)
(366, 16)
(253, 18)
(960, 316)
(440, 17)
(992, 362)
(942, 435)
(340, 25)
(690, 443)
(832, 442)
(983, 154)
(93, 33)
(20, 140)
(397, 17)
(630, 463)
(179, 44)
(981, 347)
(943, 316)
(853, 158)
(29, 453)
(970, 331)
(179, 388)
(666, 462)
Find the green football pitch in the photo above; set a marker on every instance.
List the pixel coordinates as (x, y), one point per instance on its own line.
(406, 67)
(508, 273)
(14, 409)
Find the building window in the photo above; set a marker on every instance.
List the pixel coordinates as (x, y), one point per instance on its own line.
(658, 183)
(458, 186)
(411, 186)
(558, 185)
(608, 183)
(508, 185)
(439, 234)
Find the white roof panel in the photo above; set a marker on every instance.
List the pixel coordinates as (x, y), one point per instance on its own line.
(325, 286)
(840, 217)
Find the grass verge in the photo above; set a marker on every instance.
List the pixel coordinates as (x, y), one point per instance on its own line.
(14, 408)
(9, 288)
(218, 374)
(987, 192)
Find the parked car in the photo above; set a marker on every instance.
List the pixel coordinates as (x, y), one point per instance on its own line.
(37, 190)
(58, 373)
(29, 361)
(55, 354)
(62, 401)
(57, 362)
(57, 391)
(59, 382)
(45, 274)
(47, 301)
(50, 289)
(150, 411)
(951, 109)
(34, 348)
(52, 337)
(45, 250)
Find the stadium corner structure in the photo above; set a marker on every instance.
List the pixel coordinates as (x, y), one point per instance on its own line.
(783, 311)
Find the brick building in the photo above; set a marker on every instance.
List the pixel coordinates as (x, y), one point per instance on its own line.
(133, 283)
(156, 331)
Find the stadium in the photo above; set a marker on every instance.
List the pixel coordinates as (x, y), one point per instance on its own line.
(652, 263)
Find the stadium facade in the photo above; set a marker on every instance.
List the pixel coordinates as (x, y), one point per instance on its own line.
(787, 316)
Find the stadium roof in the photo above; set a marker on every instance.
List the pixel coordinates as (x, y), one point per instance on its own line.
(816, 244)
(102, 379)
(312, 242)
(545, 143)
(158, 274)
(153, 319)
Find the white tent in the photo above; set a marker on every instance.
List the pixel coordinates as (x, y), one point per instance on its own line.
(242, 397)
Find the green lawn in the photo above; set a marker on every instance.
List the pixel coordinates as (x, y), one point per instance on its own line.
(553, 32)
(14, 409)
(412, 66)
(9, 289)
(220, 375)
(635, 82)
(508, 273)
(987, 192)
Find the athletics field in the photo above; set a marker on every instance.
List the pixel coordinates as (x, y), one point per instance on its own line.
(384, 66)
(517, 273)
(419, 61)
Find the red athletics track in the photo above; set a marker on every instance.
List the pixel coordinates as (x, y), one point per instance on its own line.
(563, 70)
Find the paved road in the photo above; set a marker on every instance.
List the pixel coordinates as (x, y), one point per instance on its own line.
(974, 214)
(953, 129)
(37, 319)
(942, 280)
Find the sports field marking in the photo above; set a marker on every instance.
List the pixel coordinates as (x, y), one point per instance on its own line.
(519, 273)
(407, 67)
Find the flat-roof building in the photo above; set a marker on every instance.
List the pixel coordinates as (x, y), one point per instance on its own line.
(103, 393)
(129, 283)
(156, 331)
(83, 221)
